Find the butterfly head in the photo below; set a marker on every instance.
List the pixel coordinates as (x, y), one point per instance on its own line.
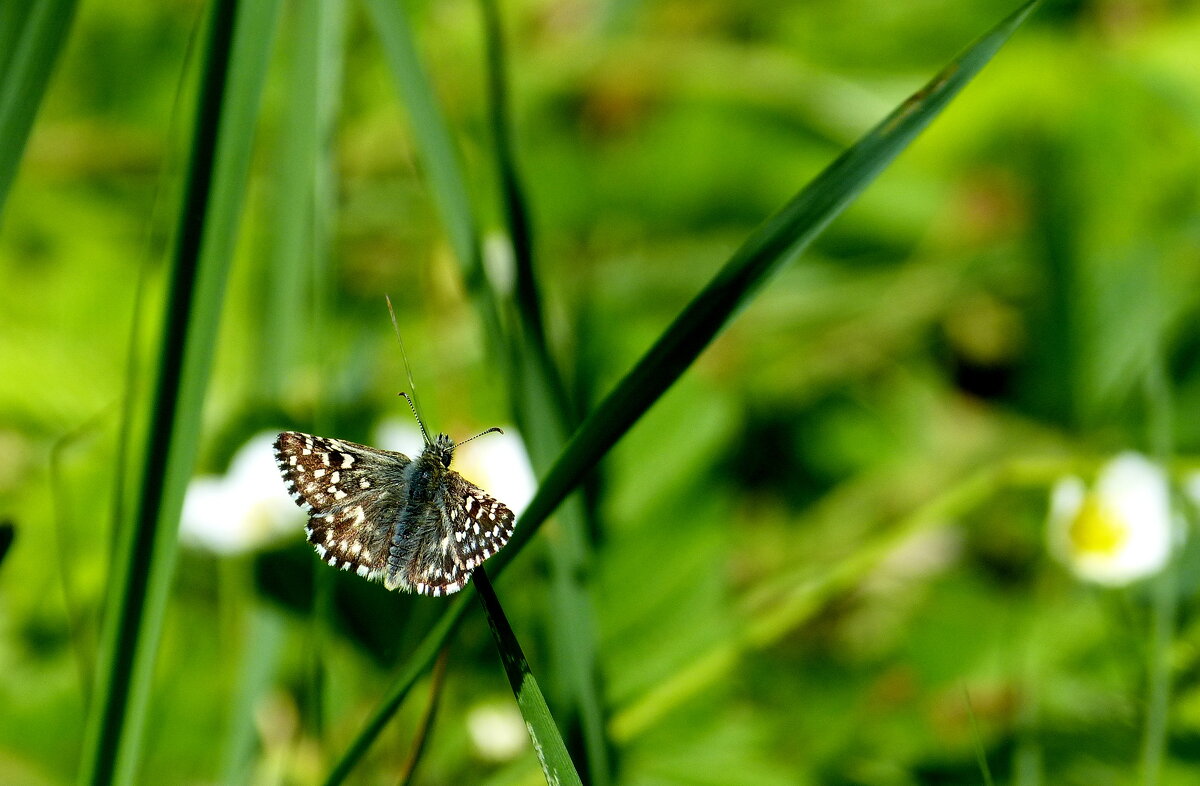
(442, 449)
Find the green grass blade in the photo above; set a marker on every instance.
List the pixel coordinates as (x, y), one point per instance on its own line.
(31, 37)
(432, 135)
(777, 241)
(546, 417)
(1165, 599)
(291, 229)
(235, 57)
(8, 533)
(985, 771)
(514, 204)
(262, 642)
(422, 657)
(436, 684)
(547, 742)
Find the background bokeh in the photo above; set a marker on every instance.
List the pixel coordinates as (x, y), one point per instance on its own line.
(820, 557)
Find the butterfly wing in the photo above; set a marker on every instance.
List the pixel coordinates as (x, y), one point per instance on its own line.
(470, 526)
(352, 493)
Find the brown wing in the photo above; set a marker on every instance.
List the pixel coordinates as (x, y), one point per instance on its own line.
(352, 493)
(471, 526)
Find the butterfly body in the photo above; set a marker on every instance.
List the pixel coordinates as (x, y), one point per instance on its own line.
(415, 524)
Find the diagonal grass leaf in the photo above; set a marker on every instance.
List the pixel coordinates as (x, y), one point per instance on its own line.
(547, 742)
(780, 239)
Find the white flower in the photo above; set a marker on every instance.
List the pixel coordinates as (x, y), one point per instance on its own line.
(497, 731)
(1118, 531)
(243, 509)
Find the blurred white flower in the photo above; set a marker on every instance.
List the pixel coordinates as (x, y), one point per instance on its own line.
(497, 731)
(243, 509)
(1118, 531)
(497, 463)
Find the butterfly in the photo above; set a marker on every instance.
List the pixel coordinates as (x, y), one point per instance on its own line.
(415, 524)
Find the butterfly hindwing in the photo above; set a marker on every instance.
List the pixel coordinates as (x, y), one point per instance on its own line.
(479, 523)
(462, 528)
(352, 493)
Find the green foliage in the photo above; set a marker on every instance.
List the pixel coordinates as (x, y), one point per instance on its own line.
(781, 548)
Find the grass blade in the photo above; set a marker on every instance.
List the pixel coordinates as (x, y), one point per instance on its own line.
(31, 37)
(291, 227)
(1165, 598)
(417, 664)
(551, 751)
(432, 136)
(546, 417)
(435, 695)
(262, 638)
(235, 58)
(513, 202)
(977, 741)
(8, 533)
(778, 240)
(541, 409)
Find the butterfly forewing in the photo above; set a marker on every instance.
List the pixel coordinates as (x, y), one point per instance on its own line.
(352, 493)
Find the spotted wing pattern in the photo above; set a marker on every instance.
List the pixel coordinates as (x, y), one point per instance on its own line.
(468, 526)
(352, 493)
(365, 515)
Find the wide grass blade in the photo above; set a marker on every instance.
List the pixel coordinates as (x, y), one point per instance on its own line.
(235, 55)
(781, 238)
(32, 35)
(294, 203)
(547, 742)
(259, 645)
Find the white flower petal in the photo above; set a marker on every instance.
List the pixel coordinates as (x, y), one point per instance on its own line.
(497, 731)
(1120, 530)
(1066, 499)
(243, 510)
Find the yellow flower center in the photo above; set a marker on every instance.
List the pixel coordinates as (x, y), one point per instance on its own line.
(1097, 530)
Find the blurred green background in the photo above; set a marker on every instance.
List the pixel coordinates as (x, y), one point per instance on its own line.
(819, 559)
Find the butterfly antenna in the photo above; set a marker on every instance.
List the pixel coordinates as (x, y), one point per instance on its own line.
(492, 430)
(413, 407)
(412, 400)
